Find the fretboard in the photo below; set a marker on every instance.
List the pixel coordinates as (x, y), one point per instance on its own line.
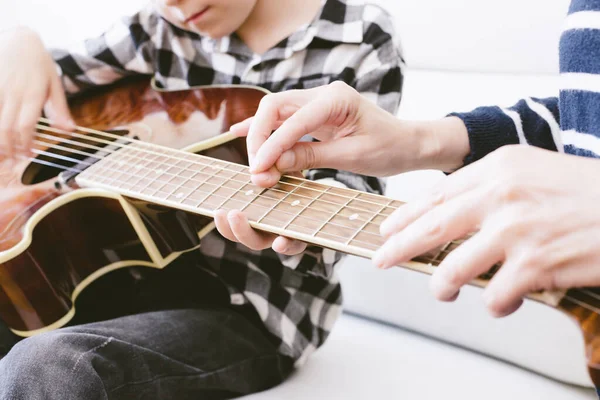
(341, 219)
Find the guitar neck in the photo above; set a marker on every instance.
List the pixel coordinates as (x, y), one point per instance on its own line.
(341, 219)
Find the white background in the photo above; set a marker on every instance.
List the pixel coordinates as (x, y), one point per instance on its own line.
(435, 34)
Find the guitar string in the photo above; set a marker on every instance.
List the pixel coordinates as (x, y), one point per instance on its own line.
(225, 168)
(295, 194)
(317, 200)
(113, 136)
(295, 216)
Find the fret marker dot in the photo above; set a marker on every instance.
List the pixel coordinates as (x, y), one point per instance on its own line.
(249, 192)
(296, 203)
(354, 217)
(179, 195)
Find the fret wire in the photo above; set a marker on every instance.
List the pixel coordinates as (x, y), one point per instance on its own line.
(187, 196)
(253, 200)
(117, 172)
(211, 165)
(278, 190)
(217, 187)
(456, 242)
(176, 156)
(235, 191)
(276, 204)
(368, 222)
(124, 156)
(200, 157)
(147, 174)
(331, 236)
(306, 207)
(441, 253)
(300, 216)
(199, 185)
(158, 174)
(149, 171)
(177, 187)
(333, 216)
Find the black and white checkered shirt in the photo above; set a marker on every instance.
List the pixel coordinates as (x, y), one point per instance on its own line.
(299, 297)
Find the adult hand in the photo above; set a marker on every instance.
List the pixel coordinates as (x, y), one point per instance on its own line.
(533, 210)
(355, 135)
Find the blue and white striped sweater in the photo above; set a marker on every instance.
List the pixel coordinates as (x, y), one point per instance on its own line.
(569, 123)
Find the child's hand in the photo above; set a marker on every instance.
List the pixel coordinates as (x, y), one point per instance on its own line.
(28, 82)
(234, 226)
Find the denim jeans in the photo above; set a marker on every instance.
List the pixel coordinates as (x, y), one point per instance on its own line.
(177, 338)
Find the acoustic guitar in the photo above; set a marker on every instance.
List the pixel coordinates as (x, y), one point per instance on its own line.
(137, 184)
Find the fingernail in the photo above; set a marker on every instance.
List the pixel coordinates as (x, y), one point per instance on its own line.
(384, 228)
(441, 290)
(379, 259)
(264, 179)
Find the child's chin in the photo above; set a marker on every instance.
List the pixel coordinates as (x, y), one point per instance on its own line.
(211, 33)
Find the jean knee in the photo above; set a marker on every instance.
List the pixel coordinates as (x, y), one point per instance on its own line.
(48, 365)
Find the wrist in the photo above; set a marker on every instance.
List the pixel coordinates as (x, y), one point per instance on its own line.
(443, 143)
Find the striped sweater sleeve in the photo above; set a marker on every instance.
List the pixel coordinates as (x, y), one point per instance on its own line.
(531, 121)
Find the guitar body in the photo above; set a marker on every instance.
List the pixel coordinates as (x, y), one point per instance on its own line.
(56, 240)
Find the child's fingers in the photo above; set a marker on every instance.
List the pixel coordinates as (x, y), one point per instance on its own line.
(288, 246)
(57, 106)
(8, 118)
(223, 227)
(244, 233)
(28, 118)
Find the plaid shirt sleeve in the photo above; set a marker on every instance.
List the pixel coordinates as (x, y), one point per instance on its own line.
(125, 49)
(376, 72)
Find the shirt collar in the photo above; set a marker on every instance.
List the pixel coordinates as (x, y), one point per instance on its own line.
(326, 26)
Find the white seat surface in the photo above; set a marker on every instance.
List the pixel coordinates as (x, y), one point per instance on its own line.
(367, 360)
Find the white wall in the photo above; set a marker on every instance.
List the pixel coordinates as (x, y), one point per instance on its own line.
(480, 35)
